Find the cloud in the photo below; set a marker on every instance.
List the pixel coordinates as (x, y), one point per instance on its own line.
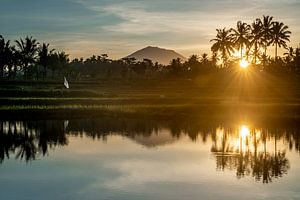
(119, 27)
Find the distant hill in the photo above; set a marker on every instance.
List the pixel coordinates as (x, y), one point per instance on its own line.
(156, 54)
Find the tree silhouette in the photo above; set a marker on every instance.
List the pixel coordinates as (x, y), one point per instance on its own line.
(256, 38)
(44, 57)
(192, 65)
(59, 61)
(267, 24)
(176, 66)
(240, 36)
(27, 148)
(223, 44)
(5, 55)
(262, 165)
(27, 49)
(279, 36)
(63, 60)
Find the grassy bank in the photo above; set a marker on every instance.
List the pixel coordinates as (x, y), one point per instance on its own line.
(239, 94)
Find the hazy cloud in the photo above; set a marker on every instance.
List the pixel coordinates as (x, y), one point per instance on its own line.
(118, 27)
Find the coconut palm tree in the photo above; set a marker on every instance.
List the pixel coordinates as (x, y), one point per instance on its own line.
(256, 37)
(290, 53)
(5, 54)
(204, 58)
(63, 60)
(241, 35)
(223, 44)
(28, 49)
(279, 36)
(44, 57)
(267, 24)
(289, 58)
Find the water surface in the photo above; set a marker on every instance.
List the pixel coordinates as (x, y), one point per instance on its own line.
(119, 158)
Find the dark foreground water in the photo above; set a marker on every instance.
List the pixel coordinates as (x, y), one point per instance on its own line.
(130, 159)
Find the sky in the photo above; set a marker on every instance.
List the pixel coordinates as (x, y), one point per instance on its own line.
(119, 27)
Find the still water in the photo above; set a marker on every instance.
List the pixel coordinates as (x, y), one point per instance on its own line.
(143, 159)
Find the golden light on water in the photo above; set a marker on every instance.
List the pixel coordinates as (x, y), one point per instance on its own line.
(244, 64)
(244, 131)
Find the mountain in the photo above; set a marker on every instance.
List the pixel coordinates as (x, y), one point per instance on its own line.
(156, 54)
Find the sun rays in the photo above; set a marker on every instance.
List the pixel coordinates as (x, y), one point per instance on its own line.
(244, 64)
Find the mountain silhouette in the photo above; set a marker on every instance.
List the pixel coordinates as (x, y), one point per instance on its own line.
(156, 54)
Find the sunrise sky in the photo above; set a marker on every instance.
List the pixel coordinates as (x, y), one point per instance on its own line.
(119, 27)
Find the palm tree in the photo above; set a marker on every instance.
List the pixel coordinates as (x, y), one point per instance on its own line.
(241, 36)
(267, 24)
(44, 57)
(290, 53)
(256, 37)
(204, 58)
(28, 49)
(5, 54)
(63, 60)
(297, 59)
(280, 35)
(12, 62)
(223, 43)
(289, 58)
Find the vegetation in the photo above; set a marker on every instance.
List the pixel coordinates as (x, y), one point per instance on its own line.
(30, 60)
(32, 75)
(249, 39)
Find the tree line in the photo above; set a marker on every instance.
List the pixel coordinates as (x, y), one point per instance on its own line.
(253, 40)
(28, 59)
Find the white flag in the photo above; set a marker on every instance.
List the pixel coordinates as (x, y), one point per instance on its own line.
(66, 84)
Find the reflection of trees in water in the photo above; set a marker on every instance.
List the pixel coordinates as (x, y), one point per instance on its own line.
(28, 139)
(262, 165)
(101, 128)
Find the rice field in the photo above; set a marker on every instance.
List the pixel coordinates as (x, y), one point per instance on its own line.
(160, 98)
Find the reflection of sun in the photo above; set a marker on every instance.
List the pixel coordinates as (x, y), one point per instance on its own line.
(244, 131)
(244, 64)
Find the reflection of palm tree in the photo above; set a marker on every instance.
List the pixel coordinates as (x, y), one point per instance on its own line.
(51, 134)
(27, 147)
(263, 166)
(280, 164)
(255, 165)
(224, 152)
(5, 144)
(30, 138)
(280, 35)
(223, 43)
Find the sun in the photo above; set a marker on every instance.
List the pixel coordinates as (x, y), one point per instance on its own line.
(244, 64)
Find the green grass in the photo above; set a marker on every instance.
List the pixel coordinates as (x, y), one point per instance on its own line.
(257, 95)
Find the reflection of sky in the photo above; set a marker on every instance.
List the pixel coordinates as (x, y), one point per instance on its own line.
(120, 168)
(118, 27)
